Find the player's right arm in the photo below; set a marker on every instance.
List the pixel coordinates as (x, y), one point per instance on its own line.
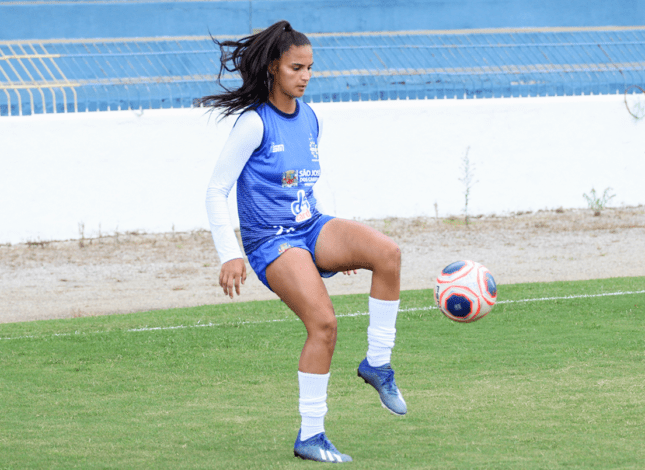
(244, 139)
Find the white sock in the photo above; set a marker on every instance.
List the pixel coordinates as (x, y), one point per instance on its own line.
(313, 403)
(382, 331)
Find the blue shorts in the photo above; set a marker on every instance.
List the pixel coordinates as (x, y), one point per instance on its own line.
(269, 251)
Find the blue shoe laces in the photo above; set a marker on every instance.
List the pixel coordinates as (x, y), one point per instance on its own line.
(388, 382)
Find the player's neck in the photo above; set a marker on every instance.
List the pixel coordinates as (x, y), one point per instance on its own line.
(286, 104)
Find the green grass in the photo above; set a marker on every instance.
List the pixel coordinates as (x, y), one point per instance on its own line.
(534, 385)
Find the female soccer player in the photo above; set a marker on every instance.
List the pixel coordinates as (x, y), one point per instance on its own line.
(272, 154)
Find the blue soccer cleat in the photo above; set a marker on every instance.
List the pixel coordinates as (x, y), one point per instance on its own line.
(382, 379)
(318, 448)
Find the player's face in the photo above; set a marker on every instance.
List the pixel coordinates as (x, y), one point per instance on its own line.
(292, 72)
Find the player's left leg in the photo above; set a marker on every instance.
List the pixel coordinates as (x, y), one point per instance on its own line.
(345, 245)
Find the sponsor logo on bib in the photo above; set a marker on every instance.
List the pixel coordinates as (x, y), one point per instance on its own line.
(313, 148)
(290, 179)
(301, 208)
(277, 148)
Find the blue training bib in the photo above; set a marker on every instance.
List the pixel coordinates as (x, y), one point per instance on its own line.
(275, 189)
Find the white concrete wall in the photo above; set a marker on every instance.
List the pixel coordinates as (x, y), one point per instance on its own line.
(120, 171)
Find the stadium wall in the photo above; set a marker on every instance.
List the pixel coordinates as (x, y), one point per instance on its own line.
(35, 19)
(85, 174)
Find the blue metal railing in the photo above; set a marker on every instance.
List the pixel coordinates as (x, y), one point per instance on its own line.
(98, 75)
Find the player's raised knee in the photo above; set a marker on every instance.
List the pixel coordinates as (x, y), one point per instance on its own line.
(391, 257)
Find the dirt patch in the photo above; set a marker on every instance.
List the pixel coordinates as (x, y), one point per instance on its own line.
(136, 272)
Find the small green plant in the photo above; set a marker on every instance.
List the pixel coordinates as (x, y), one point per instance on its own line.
(597, 204)
(81, 232)
(468, 174)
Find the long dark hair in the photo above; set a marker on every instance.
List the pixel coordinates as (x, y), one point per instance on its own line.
(251, 57)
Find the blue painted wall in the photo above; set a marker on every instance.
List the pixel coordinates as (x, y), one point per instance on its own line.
(74, 20)
(409, 15)
(89, 19)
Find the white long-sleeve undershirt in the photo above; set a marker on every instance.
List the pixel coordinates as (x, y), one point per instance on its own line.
(245, 137)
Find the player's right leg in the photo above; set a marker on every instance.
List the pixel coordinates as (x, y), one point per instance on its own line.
(296, 280)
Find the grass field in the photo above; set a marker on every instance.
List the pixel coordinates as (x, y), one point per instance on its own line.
(557, 382)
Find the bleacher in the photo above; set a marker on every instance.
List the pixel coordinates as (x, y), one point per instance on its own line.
(65, 74)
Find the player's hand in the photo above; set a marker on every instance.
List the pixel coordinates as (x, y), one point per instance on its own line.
(347, 273)
(232, 274)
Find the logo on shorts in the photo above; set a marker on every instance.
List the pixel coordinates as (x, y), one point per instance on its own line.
(284, 247)
(301, 208)
(290, 179)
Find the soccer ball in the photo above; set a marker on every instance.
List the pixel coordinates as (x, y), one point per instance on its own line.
(465, 291)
